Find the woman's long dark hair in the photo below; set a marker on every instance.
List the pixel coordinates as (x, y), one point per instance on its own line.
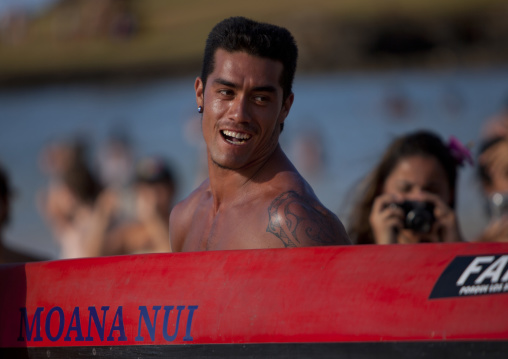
(420, 143)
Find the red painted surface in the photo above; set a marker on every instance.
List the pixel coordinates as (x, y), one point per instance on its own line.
(320, 294)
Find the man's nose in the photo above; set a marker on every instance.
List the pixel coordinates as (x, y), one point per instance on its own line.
(239, 109)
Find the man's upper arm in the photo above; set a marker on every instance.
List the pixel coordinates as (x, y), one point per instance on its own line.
(298, 223)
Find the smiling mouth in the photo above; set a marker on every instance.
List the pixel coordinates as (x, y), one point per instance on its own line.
(235, 138)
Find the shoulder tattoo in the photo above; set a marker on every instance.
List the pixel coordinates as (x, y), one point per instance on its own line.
(296, 222)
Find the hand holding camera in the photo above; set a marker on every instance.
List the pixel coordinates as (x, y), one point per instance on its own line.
(395, 219)
(386, 218)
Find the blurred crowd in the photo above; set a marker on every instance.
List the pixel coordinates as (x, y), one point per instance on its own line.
(116, 205)
(410, 196)
(71, 21)
(120, 204)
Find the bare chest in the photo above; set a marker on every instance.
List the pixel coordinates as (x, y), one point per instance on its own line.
(235, 228)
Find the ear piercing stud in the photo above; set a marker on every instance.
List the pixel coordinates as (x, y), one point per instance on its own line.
(200, 109)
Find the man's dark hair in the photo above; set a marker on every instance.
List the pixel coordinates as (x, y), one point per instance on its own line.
(257, 39)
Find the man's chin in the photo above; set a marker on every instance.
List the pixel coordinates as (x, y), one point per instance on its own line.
(226, 165)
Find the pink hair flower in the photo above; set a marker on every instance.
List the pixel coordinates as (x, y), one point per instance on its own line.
(459, 152)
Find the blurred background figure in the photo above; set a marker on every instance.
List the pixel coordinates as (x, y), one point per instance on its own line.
(497, 125)
(308, 153)
(116, 170)
(452, 102)
(397, 103)
(148, 230)
(410, 195)
(7, 254)
(493, 175)
(13, 26)
(68, 202)
(193, 136)
(116, 160)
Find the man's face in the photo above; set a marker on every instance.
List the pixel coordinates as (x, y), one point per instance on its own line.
(242, 109)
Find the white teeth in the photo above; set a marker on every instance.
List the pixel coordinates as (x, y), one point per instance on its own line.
(238, 136)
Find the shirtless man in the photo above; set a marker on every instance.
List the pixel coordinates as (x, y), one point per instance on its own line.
(254, 197)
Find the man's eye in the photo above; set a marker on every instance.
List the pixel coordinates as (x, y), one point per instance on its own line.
(225, 92)
(261, 98)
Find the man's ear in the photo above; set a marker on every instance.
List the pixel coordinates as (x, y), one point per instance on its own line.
(199, 88)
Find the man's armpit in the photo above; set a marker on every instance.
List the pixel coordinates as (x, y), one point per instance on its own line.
(297, 223)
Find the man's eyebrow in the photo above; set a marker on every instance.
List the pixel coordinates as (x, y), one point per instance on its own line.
(224, 82)
(267, 88)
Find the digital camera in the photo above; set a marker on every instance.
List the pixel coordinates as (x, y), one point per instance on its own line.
(418, 216)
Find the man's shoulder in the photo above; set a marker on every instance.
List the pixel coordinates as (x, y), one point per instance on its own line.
(297, 218)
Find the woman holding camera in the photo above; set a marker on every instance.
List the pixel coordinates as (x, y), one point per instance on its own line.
(410, 195)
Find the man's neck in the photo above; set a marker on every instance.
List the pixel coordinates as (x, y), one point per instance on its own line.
(229, 186)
